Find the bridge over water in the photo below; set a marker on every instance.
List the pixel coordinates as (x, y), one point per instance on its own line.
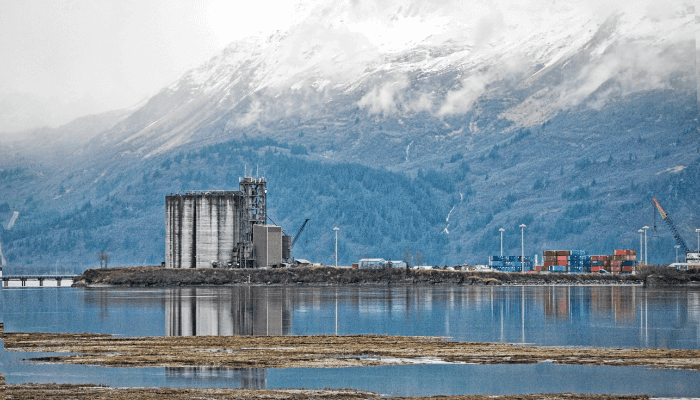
(9, 281)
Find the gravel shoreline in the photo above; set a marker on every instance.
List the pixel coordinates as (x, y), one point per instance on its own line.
(85, 392)
(652, 276)
(162, 277)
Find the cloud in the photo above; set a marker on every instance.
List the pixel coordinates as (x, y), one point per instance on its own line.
(424, 102)
(632, 67)
(462, 100)
(384, 99)
(252, 114)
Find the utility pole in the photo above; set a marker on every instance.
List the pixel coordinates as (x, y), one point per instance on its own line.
(336, 229)
(501, 230)
(641, 246)
(646, 247)
(522, 244)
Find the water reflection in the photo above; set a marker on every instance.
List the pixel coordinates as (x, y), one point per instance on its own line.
(602, 316)
(238, 311)
(244, 378)
(605, 316)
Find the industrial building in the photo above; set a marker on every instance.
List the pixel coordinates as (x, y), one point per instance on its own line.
(222, 229)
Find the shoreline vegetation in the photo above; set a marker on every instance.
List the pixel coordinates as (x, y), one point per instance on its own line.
(164, 277)
(102, 392)
(323, 351)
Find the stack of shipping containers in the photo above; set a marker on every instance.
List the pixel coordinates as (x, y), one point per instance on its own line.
(574, 261)
(510, 263)
(578, 261)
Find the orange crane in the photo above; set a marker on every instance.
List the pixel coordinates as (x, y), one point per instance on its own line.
(669, 222)
(692, 260)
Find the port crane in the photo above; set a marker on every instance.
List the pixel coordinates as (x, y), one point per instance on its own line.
(294, 240)
(691, 259)
(288, 242)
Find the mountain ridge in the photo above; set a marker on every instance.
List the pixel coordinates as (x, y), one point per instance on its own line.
(463, 136)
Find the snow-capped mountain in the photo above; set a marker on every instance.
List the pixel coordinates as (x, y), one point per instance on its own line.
(418, 125)
(440, 61)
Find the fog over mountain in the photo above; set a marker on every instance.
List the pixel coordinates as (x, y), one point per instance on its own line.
(417, 125)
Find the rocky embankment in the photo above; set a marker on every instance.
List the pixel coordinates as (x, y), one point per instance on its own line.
(158, 276)
(102, 392)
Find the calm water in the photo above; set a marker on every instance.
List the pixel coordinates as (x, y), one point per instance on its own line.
(602, 316)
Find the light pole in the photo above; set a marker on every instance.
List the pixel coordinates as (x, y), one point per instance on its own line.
(336, 229)
(522, 245)
(641, 246)
(677, 247)
(698, 232)
(501, 230)
(646, 247)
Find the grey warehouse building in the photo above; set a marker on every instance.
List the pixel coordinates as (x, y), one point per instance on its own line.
(218, 229)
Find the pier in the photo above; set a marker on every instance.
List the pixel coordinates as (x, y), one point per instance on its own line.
(10, 281)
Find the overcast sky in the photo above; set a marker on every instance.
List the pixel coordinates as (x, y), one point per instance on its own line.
(67, 58)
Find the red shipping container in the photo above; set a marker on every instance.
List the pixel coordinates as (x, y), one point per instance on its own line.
(627, 269)
(596, 269)
(549, 263)
(615, 269)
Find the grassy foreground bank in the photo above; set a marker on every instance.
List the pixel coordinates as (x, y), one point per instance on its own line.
(159, 276)
(80, 392)
(323, 351)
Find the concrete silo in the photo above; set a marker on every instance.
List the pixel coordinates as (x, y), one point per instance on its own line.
(215, 229)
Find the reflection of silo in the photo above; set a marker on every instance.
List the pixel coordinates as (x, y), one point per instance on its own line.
(179, 312)
(248, 378)
(235, 311)
(202, 229)
(268, 316)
